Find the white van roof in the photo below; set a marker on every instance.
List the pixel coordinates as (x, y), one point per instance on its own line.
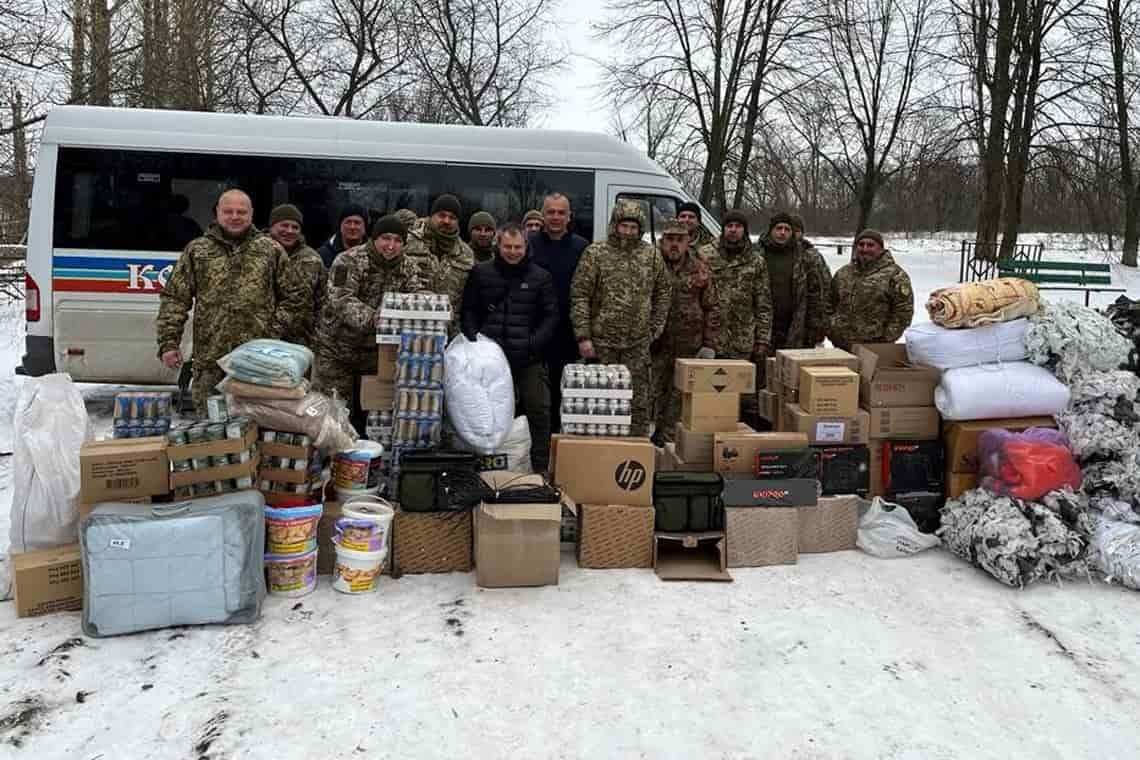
(333, 137)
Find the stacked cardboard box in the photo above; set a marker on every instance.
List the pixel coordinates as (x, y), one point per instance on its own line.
(815, 391)
(710, 403)
(378, 392)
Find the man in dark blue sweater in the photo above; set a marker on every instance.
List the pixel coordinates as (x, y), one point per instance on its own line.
(557, 250)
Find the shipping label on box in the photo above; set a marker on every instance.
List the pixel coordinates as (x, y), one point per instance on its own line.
(888, 379)
(48, 580)
(123, 469)
(606, 470)
(792, 360)
(829, 390)
(714, 376)
(735, 453)
(827, 429)
(961, 439)
(913, 423)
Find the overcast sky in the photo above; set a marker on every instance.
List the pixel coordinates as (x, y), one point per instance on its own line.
(577, 86)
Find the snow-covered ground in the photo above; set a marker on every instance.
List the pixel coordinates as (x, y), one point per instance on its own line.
(841, 655)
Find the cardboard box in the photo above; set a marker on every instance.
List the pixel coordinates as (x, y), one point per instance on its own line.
(769, 405)
(787, 463)
(694, 447)
(912, 466)
(844, 469)
(775, 494)
(827, 429)
(914, 423)
(672, 462)
(875, 470)
(48, 580)
(557, 438)
(888, 379)
(829, 390)
(772, 375)
(961, 439)
(714, 376)
(606, 470)
(690, 557)
(735, 453)
(124, 468)
(957, 483)
(518, 544)
(830, 526)
(376, 394)
(615, 536)
(430, 542)
(386, 362)
(761, 536)
(792, 360)
(215, 448)
(710, 412)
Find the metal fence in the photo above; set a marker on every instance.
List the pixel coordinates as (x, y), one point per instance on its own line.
(981, 262)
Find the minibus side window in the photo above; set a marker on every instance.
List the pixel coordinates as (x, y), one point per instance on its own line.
(657, 209)
(507, 193)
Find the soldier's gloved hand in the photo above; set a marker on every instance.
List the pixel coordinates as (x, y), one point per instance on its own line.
(172, 358)
(706, 353)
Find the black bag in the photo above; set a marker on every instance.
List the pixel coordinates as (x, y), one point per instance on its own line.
(688, 501)
(438, 481)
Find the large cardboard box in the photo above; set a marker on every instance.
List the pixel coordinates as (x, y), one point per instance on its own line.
(829, 390)
(124, 468)
(376, 394)
(844, 469)
(430, 542)
(606, 470)
(48, 580)
(694, 447)
(913, 466)
(957, 483)
(732, 376)
(792, 360)
(615, 536)
(828, 429)
(673, 462)
(832, 525)
(761, 536)
(517, 544)
(769, 403)
(735, 453)
(961, 439)
(386, 362)
(911, 423)
(771, 375)
(557, 438)
(888, 379)
(710, 412)
(690, 557)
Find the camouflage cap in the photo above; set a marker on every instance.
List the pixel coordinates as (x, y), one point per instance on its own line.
(626, 210)
(675, 227)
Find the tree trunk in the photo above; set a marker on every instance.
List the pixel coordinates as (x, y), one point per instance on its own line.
(1128, 186)
(100, 53)
(79, 51)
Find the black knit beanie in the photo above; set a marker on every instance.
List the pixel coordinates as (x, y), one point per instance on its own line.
(781, 218)
(353, 209)
(689, 206)
(447, 202)
(734, 215)
(390, 224)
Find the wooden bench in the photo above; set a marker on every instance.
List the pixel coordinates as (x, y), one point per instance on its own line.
(1076, 276)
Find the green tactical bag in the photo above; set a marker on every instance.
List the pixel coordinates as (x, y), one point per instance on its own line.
(688, 502)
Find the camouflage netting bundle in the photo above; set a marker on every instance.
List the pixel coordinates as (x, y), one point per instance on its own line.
(1114, 477)
(1019, 542)
(1071, 340)
(1092, 434)
(1125, 315)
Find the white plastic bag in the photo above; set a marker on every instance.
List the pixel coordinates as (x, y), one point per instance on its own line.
(516, 447)
(888, 531)
(993, 391)
(933, 346)
(50, 425)
(479, 394)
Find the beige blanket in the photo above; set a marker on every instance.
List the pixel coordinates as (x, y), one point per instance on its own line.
(973, 304)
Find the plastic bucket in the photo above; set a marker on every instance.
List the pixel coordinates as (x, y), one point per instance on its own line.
(357, 470)
(291, 575)
(365, 524)
(357, 572)
(292, 530)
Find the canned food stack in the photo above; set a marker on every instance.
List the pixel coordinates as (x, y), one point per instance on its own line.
(597, 399)
(418, 412)
(411, 312)
(139, 414)
(291, 467)
(212, 458)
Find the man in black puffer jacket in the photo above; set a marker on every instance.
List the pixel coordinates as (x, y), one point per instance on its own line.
(511, 300)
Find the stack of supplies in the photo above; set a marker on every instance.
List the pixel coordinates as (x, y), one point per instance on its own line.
(711, 391)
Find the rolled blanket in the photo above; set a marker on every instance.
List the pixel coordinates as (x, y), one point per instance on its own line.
(986, 302)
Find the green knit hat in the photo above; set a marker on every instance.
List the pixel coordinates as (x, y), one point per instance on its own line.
(481, 219)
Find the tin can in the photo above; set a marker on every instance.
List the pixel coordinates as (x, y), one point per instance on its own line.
(437, 373)
(162, 406)
(300, 464)
(268, 436)
(182, 465)
(624, 430)
(223, 486)
(200, 463)
(407, 344)
(177, 437)
(265, 485)
(216, 432)
(124, 406)
(435, 404)
(300, 439)
(216, 409)
(220, 460)
(237, 427)
(241, 457)
(184, 492)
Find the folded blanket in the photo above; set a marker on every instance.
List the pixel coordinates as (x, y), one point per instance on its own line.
(973, 304)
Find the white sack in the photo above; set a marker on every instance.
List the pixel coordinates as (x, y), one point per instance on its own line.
(516, 447)
(479, 394)
(888, 531)
(50, 426)
(933, 346)
(992, 391)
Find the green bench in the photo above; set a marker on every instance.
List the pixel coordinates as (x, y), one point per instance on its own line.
(1077, 276)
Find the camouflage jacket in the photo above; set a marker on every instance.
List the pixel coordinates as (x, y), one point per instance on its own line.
(357, 282)
(745, 299)
(823, 275)
(310, 269)
(484, 254)
(694, 316)
(810, 299)
(239, 290)
(619, 298)
(441, 271)
(870, 303)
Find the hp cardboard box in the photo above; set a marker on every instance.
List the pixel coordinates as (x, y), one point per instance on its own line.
(792, 360)
(961, 439)
(48, 580)
(913, 423)
(714, 376)
(735, 453)
(888, 379)
(828, 429)
(829, 390)
(123, 468)
(606, 470)
(517, 544)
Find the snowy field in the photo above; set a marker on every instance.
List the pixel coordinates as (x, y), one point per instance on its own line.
(841, 655)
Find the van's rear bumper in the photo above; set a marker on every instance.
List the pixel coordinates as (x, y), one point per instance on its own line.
(40, 359)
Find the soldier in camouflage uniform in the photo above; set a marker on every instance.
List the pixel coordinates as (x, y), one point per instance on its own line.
(481, 227)
(871, 298)
(285, 225)
(742, 285)
(690, 213)
(241, 286)
(793, 276)
(692, 327)
(442, 260)
(619, 301)
(358, 280)
(823, 275)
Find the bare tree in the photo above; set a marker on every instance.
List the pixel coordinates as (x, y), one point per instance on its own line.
(1122, 24)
